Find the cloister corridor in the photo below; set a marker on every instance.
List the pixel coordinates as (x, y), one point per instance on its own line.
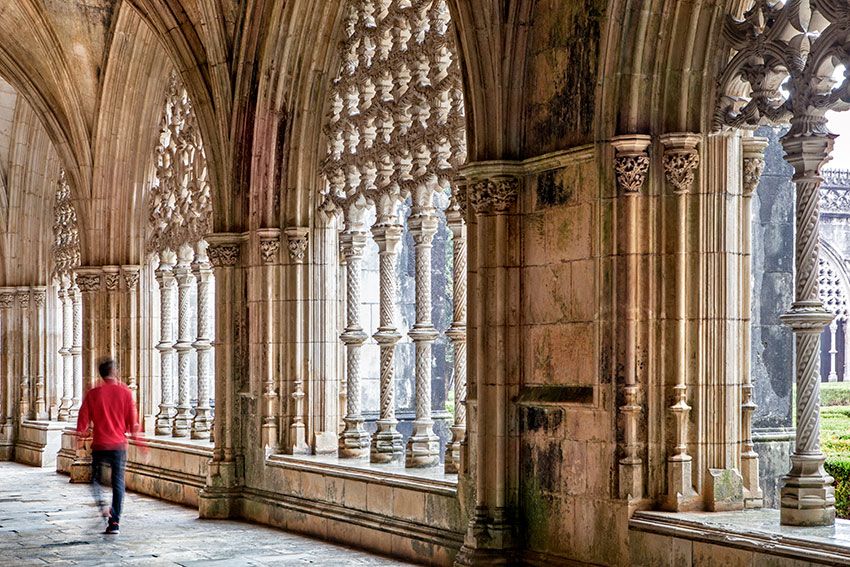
(45, 520)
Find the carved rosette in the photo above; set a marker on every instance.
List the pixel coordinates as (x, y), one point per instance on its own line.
(494, 195)
(224, 255)
(296, 242)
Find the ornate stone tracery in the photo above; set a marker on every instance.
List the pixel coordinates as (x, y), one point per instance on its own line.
(801, 43)
(396, 131)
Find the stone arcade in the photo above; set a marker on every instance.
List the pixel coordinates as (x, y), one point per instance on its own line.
(458, 282)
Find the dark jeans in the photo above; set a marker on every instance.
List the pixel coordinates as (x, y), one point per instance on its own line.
(116, 461)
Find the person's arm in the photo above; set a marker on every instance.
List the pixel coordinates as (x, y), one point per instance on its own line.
(131, 420)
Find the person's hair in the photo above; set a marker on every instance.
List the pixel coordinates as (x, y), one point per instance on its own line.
(105, 367)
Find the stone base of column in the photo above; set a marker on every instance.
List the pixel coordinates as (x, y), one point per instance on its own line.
(164, 420)
(631, 481)
(423, 446)
(269, 438)
(681, 495)
(182, 425)
(80, 470)
(488, 541)
(7, 441)
(220, 497)
(753, 495)
(202, 424)
(354, 441)
(451, 463)
(298, 432)
(387, 444)
(806, 493)
(326, 443)
(724, 490)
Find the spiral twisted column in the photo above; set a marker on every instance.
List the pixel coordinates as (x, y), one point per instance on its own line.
(423, 446)
(457, 331)
(354, 441)
(202, 270)
(806, 492)
(753, 166)
(165, 280)
(67, 377)
(76, 298)
(183, 274)
(387, 445)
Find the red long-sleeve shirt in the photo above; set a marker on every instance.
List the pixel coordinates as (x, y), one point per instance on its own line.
(110, 407)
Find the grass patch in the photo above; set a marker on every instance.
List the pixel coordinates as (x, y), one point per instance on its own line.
(835, 443)
(835, 394)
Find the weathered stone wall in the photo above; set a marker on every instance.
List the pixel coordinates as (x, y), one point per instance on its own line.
(773, 288)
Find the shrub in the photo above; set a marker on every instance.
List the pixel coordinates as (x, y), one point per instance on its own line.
(839, 468)
(835, 394)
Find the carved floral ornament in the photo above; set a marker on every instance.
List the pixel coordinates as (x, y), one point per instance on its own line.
(224, 254)
(296, 241)
(7, 299)
(269, 248)
(679, 168)
(631, 162)
(753, 168)
(66, 238)
(111, 280)
(39, 297)
(493, 195)
(131, 279)
(180, 209)
(88, 282)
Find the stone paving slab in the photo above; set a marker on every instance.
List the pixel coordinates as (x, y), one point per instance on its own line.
(45, 520)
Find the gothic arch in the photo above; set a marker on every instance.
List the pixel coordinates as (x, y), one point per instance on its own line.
(834, 281)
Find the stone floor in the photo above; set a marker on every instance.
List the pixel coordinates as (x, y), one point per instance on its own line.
(45, 520)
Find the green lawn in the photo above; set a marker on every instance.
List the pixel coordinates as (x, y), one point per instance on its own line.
(835, 440)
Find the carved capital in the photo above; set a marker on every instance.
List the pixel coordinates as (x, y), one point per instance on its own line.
(111, 280)
(224, 254)
(7, 299)
(631, 162)
(296, 242)
(39, 296)
(131, 277)
(494, 195)
(88, 282)
(24, 298)
(269, 244)
(681, 160)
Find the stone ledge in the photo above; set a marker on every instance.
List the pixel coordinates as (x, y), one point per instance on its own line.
(366, 472)
(755, 531)
(39, 443)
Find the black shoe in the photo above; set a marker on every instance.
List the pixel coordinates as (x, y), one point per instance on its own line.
(112, 528)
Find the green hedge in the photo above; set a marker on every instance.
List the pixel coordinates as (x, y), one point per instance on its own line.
(839, 468)
(835, 394)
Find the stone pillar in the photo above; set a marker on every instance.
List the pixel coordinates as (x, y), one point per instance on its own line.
(182, 424)
(25, 400)
(297, 313)
(131, 321)
(681, 161)
(7, 304)
(631, 166)
(39, 295)
(493, 378)
(110, 316)
(202, 423)
(219, 496)
(806, 492)
(833, 351)
(753, 166)
(455, 216)
(269, 240)
(846, 377)
(67, 302)
(165, 279)
(387, 445)
(76, 347)
(354, 440)
(423, 445)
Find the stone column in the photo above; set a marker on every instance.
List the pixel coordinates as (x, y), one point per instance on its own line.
(806, 492)
(296, 240)
(220, 494)
(846, 350)
(7, 386)
(753, 166)
(39, 295)
(131, 347)
(202, 424)
(423, 445)
(182, 425)
(25, 401)
(387, 445)
(354, 440)
(76, 300)
(455, 215)
(681, 161)
(269, 239)
(833, 350)
(492, 194)
(631, 166)
(67, 302)
(165, 279)
(111, 318)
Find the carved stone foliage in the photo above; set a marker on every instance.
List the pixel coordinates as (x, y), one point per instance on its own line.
(88, 282)
(131, 279)
(66, 237)
(802, 42)
(180, 210)
(39, 296)
(753, 168)
(6, 300)
(631, 171)
(679, 167)
(222, 255)
(268, 249)
(111, 282)
(296, 242)
(835, 191)
(493, 195)
(396, 122)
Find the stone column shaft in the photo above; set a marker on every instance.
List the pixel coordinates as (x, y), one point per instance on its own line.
(182, 424)
(354, 440)
(269, 240)
(25, 401)
(165, 279)
(76, 348)
(39, 295)
(457, 332)
(387, 445)
(202, 423)
(67, 303)
(297, 239)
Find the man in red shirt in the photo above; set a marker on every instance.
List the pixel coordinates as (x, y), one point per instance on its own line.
(110, 407)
